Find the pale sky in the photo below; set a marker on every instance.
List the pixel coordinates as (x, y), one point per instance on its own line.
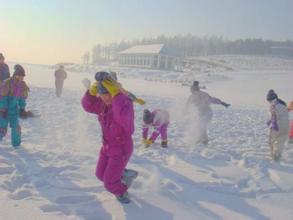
(51, 31)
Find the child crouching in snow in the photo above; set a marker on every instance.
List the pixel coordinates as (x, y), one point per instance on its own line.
(116, 117)
(13, 94)
(278, 124)
(159, 121)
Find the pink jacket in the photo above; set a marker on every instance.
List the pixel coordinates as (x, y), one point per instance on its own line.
(116, 120)
(160, 123)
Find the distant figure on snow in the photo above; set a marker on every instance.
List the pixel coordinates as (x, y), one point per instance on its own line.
(13, 94)
(60, 76)
(278, 124)
(4, 69)
(159, 121)
(202, 101)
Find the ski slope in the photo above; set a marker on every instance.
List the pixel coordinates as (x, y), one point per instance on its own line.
(52, 175)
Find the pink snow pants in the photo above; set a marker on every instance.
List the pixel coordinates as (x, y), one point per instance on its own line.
(110, 170)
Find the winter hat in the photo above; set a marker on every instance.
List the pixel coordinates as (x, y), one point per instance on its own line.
(1, 56)
(18, 70)
(195, 86)
(147, 116)
(102, 89)
(102, 75)
(271, 95)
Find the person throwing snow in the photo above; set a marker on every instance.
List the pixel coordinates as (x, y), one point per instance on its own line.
(115, 114)
(202, 103)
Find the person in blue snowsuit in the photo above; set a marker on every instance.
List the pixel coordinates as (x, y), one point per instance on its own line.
(4, 69)
(13, 94)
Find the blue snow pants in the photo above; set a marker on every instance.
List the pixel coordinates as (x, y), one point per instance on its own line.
(12, 119)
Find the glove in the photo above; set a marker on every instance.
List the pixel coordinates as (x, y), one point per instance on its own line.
(139, 101)
(112, 86)
(274, 126)
(225, 104)
(148, 143)
(93, 90)
(86, 83)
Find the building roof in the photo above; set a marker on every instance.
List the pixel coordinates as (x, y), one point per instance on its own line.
(144, 49)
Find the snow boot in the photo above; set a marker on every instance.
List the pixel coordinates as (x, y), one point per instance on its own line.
(124, 198)
(164, 143)
(128, 177)
(276, 157)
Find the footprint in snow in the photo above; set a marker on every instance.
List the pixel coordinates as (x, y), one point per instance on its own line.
(21, 194)
(6, 170)
(75, 199)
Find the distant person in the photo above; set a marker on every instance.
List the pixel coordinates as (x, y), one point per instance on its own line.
(290, 109)
(4, 69)
(13, 94)
(278, 124)
(158, 120)
(202, 101)
(60, 76)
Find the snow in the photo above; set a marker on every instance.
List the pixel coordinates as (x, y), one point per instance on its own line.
(52, 175)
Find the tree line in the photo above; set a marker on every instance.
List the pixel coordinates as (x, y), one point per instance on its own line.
(188, 45)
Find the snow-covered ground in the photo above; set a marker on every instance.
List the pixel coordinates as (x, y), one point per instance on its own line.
(52, 175)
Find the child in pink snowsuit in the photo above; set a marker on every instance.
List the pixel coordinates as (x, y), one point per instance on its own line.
(159, 120)
(116, 117)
